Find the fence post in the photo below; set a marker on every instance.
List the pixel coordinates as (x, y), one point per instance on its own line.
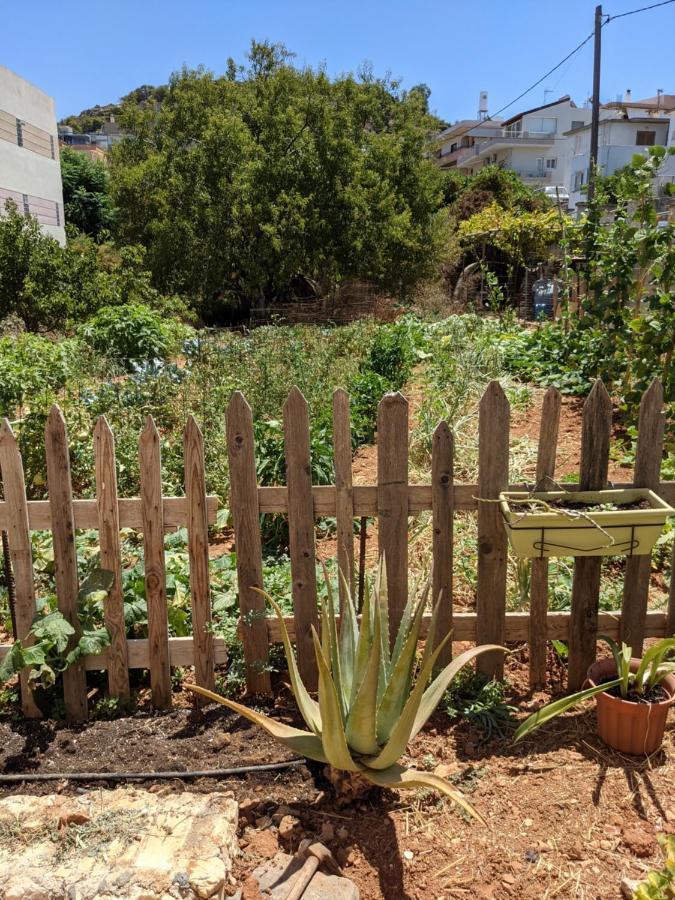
(111, 557)
(20, 551)
(392, 501)
(246, 520)
(595, 437)
(155, 570)
(548, 441)
(442, 503)
(198, 551)
(301, 532)
(646, 475)
(65, 556)
(344, 501)
(493, 477)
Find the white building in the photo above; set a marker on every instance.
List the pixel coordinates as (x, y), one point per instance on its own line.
(457, 141)
(30, 173)
(532, 143)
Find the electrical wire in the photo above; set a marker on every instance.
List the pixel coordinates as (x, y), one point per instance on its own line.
(632, 12)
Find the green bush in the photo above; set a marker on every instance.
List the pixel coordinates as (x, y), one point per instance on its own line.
(34, 367)
(129, 334)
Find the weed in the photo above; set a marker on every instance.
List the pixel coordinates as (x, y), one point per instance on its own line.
(481, 702)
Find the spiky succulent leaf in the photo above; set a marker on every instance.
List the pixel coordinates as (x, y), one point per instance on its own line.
(381, 607)
(546, 713)
(651, 660)
(336, 668)
(309, 708)
(397, 776)
(411, 606)
(347, 640)
(434, 693)
(364, 643)
(362, 720)
(333, 733)
(301, 742)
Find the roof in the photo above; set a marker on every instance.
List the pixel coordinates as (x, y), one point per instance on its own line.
(664, 102)
(459, 127)
(537, 108)
(637, 120)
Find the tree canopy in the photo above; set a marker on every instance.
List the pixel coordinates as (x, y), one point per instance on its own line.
(86, 198)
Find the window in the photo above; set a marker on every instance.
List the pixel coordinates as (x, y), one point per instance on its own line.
(645, 138)
(47, 212)
(577, 124)
(551, 163)
(453, 147)
(578, 180)
(22, 134)
(538, 125)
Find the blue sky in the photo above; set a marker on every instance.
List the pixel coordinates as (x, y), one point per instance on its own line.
(85, 53)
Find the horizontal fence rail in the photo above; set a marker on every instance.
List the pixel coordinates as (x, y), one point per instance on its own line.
(392, 501)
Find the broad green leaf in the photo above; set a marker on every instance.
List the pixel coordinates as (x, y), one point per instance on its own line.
(434, 693)
(361, 724)
(303, 742)
(333, 734)
(54, 628)
(13, 662)
(546, 713)
(309, 709)
(98, 581)
(397, 776)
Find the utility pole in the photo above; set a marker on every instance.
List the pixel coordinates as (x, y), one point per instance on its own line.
(595, 119)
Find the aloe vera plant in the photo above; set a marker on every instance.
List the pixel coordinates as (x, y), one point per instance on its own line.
(372, 700)
(654, 666)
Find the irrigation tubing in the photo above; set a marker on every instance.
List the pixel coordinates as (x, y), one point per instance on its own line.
(148, 776)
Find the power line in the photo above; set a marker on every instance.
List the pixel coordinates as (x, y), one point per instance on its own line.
(632, 12)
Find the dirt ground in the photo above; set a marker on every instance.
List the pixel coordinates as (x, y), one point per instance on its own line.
(566, 816)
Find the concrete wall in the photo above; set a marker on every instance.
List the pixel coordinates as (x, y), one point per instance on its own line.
(22, 169)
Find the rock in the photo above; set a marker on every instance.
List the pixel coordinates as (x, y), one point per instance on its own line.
(289, 831)
(220, 741)
(628, 888)
(327, 832)
(275, 878)
(280, 812)
(247, 809)
(639, 841)
(262, 843)
(343, 833)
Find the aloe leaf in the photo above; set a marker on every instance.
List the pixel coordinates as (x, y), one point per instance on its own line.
(408, 614)
(651, 659)
(430, 639)
(410, 779)
(347, 641)
(309, 708)
(333, 644)
(302, 742)
(398, 688)
(361, 724)
(333, 734)
(401, 732)
(363, 644)
(546, 713)
(434, 693)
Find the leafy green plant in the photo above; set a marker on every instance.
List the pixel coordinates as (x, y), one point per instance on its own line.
(480, 701)
(654, 666)
(370, 702)
(660, 883)
(127, 334)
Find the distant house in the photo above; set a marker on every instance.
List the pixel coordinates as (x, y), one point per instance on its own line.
(30, 173)
(531, 143)
(95, 144)
(457, 141)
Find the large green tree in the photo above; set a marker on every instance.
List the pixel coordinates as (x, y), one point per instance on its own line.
(239, 185)
(86, 198)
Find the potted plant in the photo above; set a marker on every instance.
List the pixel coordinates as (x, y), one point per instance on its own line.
(372, 700)
(583, 523)
(633, 698)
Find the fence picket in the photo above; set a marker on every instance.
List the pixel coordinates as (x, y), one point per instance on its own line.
(548, 442)
(245, 516)
(301, 531)
(155, 573)
(392, 501)
(442, 459)
(20, 551)
(111, 557)
(65, 556)
(344, 494)
(493, 477)
(595, 437)
(198, 552)
(646, 475)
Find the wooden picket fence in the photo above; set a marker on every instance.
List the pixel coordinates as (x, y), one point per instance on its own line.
(393, 500)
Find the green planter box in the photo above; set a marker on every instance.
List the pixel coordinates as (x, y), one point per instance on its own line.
(543, 532)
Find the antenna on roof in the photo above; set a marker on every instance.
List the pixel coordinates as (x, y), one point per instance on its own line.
(547, 91)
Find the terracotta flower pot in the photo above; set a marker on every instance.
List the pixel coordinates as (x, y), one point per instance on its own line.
(634, 728)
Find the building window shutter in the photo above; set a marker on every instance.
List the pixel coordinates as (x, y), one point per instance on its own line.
(645, 138)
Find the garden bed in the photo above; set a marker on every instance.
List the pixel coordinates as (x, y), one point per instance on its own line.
(567, 817)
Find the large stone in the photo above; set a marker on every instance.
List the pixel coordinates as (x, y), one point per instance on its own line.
(275, 879)
(122, 843)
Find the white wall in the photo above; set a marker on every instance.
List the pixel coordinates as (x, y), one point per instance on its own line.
(22, 169)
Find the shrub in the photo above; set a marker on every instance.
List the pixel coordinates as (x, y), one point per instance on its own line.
(32, 366)
(128, 334)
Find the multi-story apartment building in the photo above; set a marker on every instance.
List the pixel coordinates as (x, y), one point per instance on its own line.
(30, 173)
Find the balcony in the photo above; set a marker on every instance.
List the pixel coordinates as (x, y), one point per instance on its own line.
(509, 139)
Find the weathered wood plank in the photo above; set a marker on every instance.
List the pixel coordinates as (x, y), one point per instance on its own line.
(245, 516)
(20, 551)
(274, 499)
(130, 512)
(548, 442)
(301, 531)
(198, 553)
(392, 501)
(595, 437)
(344, 494)
(155, 571)
(646, 474)
(111, 557)
(442, 457)
(65, 556)
(493, 477)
